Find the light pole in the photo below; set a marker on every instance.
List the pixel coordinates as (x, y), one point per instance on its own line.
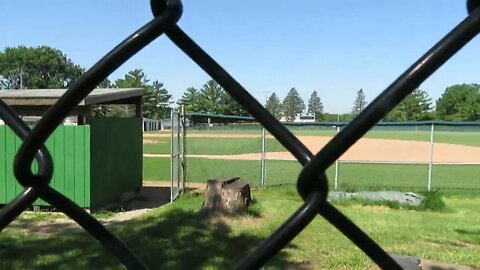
(266, 95)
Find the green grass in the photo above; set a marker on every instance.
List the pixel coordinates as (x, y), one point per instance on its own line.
(160, 147)
(352, 177)
(215, 146)
(471, 138)
(199, 170)
(156, 169)
(177, 237)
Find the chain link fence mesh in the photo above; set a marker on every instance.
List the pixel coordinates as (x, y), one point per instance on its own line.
(391, 156)
(312, 181)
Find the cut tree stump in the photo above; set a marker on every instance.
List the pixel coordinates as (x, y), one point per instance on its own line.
(226, 196)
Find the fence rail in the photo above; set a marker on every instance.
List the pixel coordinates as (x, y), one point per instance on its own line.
(312, 182)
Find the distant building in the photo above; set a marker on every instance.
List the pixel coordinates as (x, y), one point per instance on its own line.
(304, 118)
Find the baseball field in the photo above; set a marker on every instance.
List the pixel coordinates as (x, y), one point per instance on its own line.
(383, 159)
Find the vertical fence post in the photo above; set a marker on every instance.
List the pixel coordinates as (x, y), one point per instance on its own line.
(184, 147)
(171, 155)
(337, 162)
(264, 163)
(430, 164)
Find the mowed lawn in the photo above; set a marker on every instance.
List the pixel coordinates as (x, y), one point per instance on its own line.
(176, 236)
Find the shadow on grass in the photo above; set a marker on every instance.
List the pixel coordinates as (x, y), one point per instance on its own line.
(472, 236)
(176, 239)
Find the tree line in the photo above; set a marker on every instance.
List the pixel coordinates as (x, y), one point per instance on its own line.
(44, 67)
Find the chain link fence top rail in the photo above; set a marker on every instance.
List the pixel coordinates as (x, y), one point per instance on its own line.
(312, 183)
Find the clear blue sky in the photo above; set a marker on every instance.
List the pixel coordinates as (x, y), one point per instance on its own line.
(332, 46)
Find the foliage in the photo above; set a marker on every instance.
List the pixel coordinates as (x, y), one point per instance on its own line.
(190, 100)
(459, 103)
(40, 67)
(433, 201)
(333, 117)
(274, 106)
(156, 101)
(315, 106)
(211, 98)
(415, 107)
(231, 106)
(359, 103)
(292, 105)
(102, 110)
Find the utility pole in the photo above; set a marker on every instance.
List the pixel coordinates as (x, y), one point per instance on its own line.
(266, 96)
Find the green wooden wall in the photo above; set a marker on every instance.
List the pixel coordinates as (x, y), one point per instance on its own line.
(70, 149)
(116, 158)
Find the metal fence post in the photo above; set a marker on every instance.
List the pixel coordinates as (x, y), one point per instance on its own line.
(430, 164)
(184, 147)
(171, 155)
(263, 161)
(337, 163)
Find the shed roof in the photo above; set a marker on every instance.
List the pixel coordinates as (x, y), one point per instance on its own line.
(38, 97)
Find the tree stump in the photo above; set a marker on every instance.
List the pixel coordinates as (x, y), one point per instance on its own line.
(226, 196)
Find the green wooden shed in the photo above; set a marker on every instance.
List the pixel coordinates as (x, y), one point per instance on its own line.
(96, 159)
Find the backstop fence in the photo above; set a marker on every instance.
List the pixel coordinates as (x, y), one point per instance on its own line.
(429, 155)
(312, 181)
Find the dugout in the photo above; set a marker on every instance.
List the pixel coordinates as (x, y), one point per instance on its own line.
(96, 159)
(205, 118)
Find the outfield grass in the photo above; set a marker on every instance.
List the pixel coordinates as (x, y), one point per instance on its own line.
(177, 237)
(351, 176)
(163, 146)
(156, 169)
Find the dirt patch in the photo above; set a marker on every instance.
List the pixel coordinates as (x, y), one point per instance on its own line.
(152, 141)
(152, 195)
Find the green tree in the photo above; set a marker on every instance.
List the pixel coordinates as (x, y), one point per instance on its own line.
(40, 67)
(191, 100)
(333, 117)
(359, 103)
(292, 105)
(105, 84)
(210, 98)
(315, 106)
(156, 100)
(231, 107)
(459, 103)
(274, 106)
(415, 107)
(215, 100)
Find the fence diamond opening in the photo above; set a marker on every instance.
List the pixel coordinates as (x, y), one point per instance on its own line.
(312, 181)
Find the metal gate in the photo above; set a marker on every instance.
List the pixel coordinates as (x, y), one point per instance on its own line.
(177, 173)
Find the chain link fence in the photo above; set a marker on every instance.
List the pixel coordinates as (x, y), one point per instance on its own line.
(312, 182)
(177, 145)
(391, 156)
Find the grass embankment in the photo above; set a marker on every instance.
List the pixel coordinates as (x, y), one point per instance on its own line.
(176, 236)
